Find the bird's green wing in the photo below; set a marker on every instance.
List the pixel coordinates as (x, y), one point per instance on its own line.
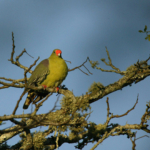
(40, 73)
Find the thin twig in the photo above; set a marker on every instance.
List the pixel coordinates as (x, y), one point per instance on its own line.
(8, 117)
(24, 51)
(83, 71)
(115, 69)
(16, 122)
(133, 142)
(118, 116)
(68, 61)
(142, 137)
(12, 85)
(3, 87)
(15, 83)
(110, 62)
(78, 67)
(17, 58)
(37, 107)
(19, 102)
(13, 80)
(13, 49)
(87, 69)
(40, 104)
(144, 115)
(108, 107)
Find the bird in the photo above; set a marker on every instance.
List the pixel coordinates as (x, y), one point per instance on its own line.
(49, 73)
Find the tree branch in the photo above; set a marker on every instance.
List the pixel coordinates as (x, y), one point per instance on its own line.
(17, 63)
(78, 67)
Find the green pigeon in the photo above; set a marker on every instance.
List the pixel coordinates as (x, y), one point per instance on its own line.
(49, 73)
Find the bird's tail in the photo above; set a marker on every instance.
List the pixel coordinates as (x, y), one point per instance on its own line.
(29, 99)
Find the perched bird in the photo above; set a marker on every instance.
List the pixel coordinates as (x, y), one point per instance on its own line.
(49, 73)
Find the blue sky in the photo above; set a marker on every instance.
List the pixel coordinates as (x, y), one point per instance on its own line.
(80, 29)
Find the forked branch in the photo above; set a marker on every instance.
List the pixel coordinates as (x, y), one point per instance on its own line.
(17, 58)
(79, 67)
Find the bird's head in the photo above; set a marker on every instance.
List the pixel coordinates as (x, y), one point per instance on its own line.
(57, 52)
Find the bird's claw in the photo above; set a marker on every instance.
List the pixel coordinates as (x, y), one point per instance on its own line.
(44, 86)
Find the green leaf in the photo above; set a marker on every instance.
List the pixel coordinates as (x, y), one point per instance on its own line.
(148, 37)
(145, 28)
(103, 59)
(140, 31)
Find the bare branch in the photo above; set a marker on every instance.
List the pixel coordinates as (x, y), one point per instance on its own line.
(143, 119)
(39, 104)
(4, 87)
(110, 63)
(68, 61)
(142, 137)
(24, 51)
(133, 141)
(126, 113)
(13, 80)
(18, 102)
(9, 117)
(17, 58)
(13, 84)
(16, 122)
(117, 116)
(108, 109)
(13, 48)
(115, 69)
(78, 67)
(83, 71)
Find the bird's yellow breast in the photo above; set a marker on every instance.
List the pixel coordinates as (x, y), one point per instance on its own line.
(58, 72)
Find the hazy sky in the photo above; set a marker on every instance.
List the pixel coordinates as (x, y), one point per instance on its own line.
(80, 29)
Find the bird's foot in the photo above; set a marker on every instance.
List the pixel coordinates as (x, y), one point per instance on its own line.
(44, 86)
(63, 87)
(57, 89)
